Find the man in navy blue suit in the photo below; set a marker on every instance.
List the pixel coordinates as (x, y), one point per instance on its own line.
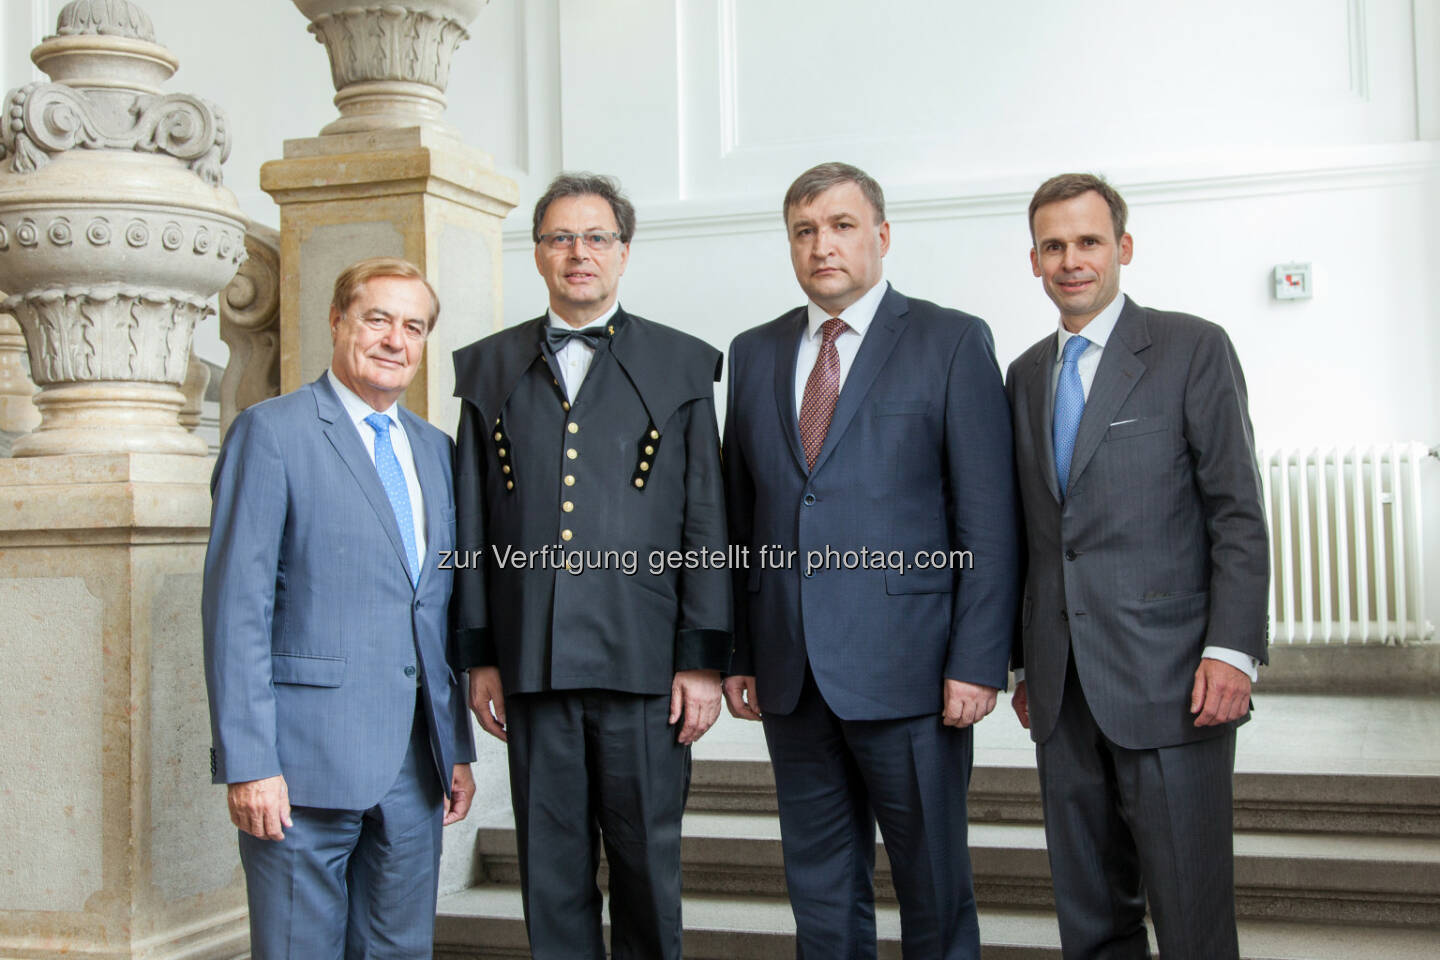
(868, 455)
(339, 725)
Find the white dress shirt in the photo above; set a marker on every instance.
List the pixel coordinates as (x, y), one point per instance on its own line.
(575, 357)
(1098, 331)
(358, 410)
(857, 317)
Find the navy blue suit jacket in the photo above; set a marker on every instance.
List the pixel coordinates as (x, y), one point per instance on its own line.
(314, 634)
(917, 460)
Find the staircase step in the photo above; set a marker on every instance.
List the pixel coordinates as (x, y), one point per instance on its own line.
(486, 923)
(1279, 876)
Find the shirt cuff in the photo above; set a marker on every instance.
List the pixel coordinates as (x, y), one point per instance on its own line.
(1019, 675)
(1243, 662)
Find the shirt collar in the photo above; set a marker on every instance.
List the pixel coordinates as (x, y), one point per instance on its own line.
(600, 321)
(857, 316)
(358, 409)
(1097, 331)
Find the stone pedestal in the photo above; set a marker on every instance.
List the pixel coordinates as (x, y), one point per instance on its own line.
(413, 192)
(116, 844)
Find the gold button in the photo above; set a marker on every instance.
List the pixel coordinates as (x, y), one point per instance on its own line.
(554, 381)
(567, 506)
(505, 468)
(501, 451)
(611, 329)
(572, 453)
(497, 421)
(499, 436)
(654, 434)
(639, 481)
(569, 480)
(644, 465)
(566, 534)
(565, 404)
(509, 484)
(573, 428)
(649, 450)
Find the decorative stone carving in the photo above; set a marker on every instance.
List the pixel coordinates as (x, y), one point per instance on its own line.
(44, 119)
(114, 17)
(250, 326)
(18, 415)
(390, 62)
(197, 378)
(114, 233)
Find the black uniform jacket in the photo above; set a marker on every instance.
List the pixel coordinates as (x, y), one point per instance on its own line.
(588, 533)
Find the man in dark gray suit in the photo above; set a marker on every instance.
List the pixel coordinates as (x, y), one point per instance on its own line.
(868, 472)
(1144, 613)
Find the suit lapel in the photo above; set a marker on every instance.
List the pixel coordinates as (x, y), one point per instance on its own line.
(432, 484)
(875, 349)
(1120, 369)
(343, 436)
(1041, 400)
(785, 352)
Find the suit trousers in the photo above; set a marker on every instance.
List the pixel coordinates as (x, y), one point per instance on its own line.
(834, 779)
(586, 766)
(1121, 824)
(357, 884)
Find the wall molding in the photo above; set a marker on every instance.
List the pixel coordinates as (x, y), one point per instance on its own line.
(1195, 180)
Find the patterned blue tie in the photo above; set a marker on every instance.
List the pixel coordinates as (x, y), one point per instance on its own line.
(1069, 405)
(392, 478)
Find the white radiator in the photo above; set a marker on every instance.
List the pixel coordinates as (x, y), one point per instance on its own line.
(1347, 562)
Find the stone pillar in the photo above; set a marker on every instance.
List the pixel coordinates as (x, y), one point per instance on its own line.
(250, 326)
(389, 179)
(114, 233)
(18, 415)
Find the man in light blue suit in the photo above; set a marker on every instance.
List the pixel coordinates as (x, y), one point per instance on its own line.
(338, 721)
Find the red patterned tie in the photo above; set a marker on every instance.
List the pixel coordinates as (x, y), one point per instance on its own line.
(821, 392)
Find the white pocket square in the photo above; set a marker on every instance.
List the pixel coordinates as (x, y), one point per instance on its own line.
(1119, 423)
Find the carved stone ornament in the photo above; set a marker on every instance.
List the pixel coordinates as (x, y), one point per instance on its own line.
(115, 232)
(390, 62)
(43, 119)
(250, 326)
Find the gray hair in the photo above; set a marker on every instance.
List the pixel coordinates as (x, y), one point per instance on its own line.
(587, 185)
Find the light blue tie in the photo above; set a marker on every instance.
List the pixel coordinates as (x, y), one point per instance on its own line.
(1069, 405)
(392, 478)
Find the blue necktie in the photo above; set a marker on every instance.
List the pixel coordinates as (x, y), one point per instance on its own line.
(392, 478)
(1069, 405)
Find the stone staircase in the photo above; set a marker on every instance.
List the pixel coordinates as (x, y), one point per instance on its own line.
(1337, 845)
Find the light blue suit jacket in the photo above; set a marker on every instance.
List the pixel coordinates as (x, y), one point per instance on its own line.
(314, 635)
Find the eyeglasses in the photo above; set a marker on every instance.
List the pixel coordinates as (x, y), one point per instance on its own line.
(566, 241)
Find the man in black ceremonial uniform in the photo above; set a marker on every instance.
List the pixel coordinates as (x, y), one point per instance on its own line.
(588, 448)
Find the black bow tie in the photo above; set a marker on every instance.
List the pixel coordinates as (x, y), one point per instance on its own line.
(558, 337)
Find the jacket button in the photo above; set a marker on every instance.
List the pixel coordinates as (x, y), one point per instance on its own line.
(409, 671)
(1070, 554)
(809, 499)
(1064, 616)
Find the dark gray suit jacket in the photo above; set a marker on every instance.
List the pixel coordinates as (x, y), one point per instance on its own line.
(1159, 548)
(917, 460)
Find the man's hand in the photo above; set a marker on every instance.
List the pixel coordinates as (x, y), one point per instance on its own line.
(966, 703)
(1020, 700)
(1221, 694)
(462, 792)
(260, 807)
(695, 695)
(740, 698)
(487, 700)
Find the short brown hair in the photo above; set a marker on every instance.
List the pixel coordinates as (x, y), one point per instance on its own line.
(355, 276)
(587, 185)
(1068, 186)
(822, 177)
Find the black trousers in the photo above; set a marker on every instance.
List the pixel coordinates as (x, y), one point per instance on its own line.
(588, 766)
(834, 779)
(1122, 823)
